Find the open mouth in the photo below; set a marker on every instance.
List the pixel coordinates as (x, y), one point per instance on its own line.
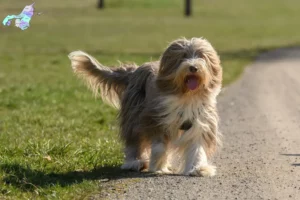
(192, 82)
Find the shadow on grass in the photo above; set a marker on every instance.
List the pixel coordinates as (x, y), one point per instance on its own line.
(230, 54)
(241, 53)
(261, 52)
(28, 179)
(234, 54)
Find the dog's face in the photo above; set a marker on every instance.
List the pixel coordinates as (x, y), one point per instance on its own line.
(189, 67)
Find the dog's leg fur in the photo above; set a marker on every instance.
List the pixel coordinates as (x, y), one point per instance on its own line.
(145, 155)
(131, 161)
(159, 157)
(136, 157)
(196, 162)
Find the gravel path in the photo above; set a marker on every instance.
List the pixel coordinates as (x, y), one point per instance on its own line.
(260, 158)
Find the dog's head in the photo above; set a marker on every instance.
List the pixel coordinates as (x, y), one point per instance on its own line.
(189, 67)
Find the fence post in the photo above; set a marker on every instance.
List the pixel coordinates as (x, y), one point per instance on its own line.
(101, 4)
(188, 7)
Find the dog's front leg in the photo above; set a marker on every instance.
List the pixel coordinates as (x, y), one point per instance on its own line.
(196, 162)
(159, 156)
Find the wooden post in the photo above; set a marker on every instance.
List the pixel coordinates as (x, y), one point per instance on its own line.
(188, 8)
(101, 4)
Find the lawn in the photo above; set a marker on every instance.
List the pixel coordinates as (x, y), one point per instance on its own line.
(56, 140)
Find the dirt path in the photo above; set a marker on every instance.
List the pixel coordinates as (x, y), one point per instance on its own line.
(260, 159)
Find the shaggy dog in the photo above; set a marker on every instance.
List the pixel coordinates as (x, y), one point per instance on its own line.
(167, 108)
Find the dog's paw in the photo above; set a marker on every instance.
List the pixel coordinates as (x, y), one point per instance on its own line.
(164, 170)
(205, 171)
(136, 165)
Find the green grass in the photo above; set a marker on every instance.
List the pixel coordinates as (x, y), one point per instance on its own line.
(46, 111)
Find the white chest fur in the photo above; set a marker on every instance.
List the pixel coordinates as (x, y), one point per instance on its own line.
(176, 111)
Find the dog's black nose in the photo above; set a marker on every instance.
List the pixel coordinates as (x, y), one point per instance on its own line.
(193, 69)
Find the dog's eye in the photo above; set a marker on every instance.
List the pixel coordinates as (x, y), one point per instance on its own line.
(186, 125)
(199, 54)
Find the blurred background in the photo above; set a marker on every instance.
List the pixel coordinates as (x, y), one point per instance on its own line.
(51, 124)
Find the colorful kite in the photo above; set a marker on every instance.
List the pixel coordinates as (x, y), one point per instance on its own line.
(23, 19)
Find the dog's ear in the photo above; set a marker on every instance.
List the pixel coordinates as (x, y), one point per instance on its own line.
(215, 68)
(211, 58)
(172, 56)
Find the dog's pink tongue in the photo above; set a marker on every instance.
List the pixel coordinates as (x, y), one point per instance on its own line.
(192, 83)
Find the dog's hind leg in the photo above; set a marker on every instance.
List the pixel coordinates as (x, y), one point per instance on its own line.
(145, 155)
(196, 163)
(131, 161)
(136, 157)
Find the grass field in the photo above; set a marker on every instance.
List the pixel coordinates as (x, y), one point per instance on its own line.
(56, 140)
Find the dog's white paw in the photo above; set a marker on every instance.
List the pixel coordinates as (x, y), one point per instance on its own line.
(164, 170)
(136, 165)
(206, 171)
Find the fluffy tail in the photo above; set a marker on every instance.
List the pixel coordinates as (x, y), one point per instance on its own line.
(109, 83)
